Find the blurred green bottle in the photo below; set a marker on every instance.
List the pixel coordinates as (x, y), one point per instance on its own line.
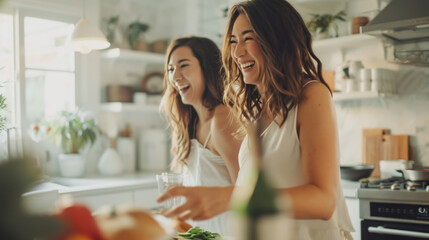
(259, 213)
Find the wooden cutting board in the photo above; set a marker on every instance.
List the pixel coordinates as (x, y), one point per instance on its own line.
(371, 143)
(378, 144)
(395, 147)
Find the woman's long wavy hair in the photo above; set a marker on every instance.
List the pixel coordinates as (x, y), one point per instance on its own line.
(288, 58)
(181, 117)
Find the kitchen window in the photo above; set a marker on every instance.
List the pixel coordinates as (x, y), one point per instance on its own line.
(37, 70)
(49, 69)
(6, 75)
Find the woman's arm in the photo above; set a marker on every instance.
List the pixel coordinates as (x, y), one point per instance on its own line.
(201, 202)
(318, 137)
(225, 142)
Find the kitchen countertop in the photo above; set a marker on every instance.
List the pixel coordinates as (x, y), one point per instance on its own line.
(101, 184)
(95, 184)
(140, 188)
(350, 188)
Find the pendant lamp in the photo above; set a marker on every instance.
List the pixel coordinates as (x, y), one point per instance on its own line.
(87, 37)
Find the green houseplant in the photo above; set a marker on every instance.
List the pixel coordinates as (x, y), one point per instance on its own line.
(320, 23)
(134, 33)
(111, 25)
(73, 131)
(2, 116)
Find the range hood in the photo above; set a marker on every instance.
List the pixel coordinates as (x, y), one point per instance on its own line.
(401, 20)
(404, 27)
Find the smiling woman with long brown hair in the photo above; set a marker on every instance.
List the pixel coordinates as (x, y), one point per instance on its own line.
(275, 77)
(203, 142)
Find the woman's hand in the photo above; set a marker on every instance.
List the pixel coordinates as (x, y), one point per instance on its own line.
(201, 202)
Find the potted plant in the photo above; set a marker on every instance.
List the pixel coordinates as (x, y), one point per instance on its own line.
(112, 31)
(134, 35)
(2, 109)
(73, 131)
(320, 23)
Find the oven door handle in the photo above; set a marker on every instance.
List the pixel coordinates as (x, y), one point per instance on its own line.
(391, 231)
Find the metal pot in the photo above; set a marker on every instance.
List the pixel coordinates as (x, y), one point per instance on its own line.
(356, 172)
(416, 174)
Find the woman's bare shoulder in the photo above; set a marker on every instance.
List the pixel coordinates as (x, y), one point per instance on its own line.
(222, 115)
(315, 92)
(317, 99)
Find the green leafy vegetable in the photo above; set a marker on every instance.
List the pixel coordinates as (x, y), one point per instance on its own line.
(197, 233)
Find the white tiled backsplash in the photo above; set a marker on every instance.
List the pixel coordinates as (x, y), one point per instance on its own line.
(407, 113)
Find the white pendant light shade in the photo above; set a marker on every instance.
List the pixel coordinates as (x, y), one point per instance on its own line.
(87, 37)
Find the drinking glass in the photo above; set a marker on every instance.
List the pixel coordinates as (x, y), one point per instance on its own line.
(166, 181)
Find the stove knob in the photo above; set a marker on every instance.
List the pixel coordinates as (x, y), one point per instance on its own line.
(427, 188)
(394, 187)
(411, 188)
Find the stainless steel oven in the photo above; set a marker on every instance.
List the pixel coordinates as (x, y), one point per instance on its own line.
(394, 212)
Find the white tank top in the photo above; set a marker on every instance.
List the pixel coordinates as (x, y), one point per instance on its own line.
(205, 168)
(282, 160)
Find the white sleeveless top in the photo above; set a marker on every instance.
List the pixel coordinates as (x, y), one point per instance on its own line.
(204, 168)
(282, 160)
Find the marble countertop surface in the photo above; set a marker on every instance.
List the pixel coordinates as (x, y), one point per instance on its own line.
(350, 188)
(127, 182)
(95, 183)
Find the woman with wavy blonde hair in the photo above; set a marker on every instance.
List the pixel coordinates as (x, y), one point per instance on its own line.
(204, 146)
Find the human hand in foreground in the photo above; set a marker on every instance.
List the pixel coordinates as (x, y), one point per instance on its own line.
(201, 202)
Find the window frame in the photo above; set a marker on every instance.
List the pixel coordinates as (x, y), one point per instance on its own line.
(56, 10)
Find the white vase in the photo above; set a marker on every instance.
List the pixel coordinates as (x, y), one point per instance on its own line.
(71, 165)
(110, 163)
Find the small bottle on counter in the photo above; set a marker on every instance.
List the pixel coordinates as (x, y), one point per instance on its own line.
(126, 146)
